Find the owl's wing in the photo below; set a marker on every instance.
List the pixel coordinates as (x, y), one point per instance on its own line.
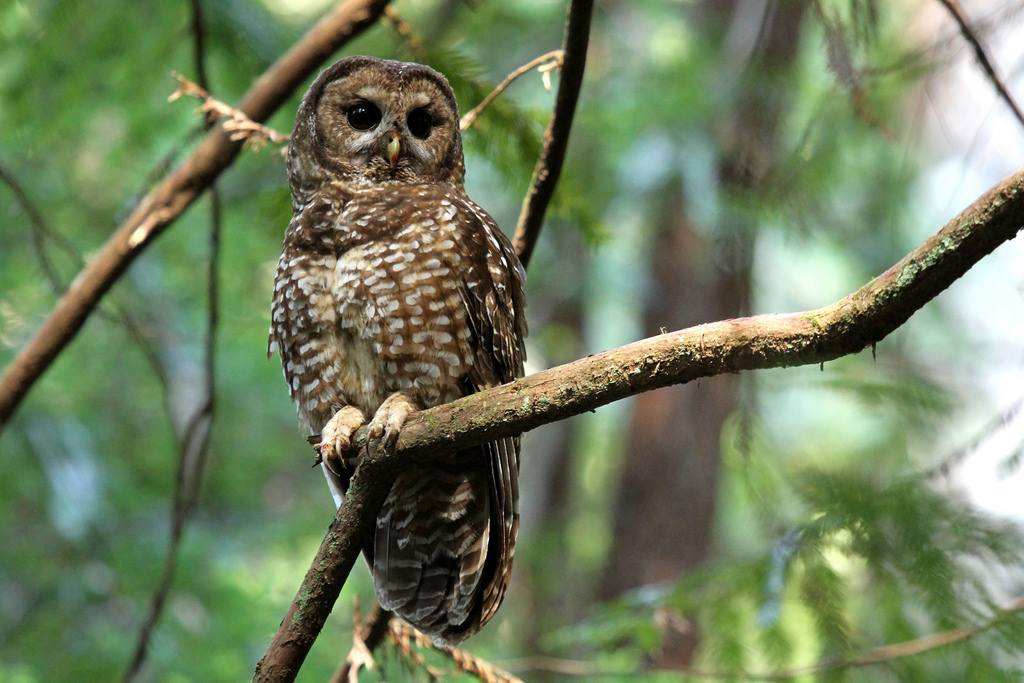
(495, 301)
(450, 589)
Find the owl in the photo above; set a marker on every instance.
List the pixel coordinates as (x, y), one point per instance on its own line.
(395, 292)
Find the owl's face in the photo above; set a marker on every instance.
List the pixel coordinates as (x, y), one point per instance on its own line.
(367, 120)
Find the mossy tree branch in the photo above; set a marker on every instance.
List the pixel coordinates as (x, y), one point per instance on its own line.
(847, 326)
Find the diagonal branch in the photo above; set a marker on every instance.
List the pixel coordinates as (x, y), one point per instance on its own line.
(556, 137)
(848, 326)
(954, 8)
(175, 194)
(41, 231)
(779, 340)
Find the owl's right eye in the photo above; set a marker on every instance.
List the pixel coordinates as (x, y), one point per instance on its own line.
(363, 116)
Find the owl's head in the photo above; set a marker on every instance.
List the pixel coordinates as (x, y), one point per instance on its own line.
(366, 120)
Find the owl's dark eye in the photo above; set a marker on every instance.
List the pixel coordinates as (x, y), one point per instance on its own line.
(420, 123)
(363, 116)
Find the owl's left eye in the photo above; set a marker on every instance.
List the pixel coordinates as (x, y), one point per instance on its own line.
(363, 116)
(420, 123)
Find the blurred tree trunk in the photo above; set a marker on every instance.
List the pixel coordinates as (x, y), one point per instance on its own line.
(546, 477)
(665, 505)
(666, 500)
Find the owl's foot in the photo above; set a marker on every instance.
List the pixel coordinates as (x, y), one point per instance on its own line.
(336, 438)
(387, 422)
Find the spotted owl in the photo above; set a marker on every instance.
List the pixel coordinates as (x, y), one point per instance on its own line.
(395, 292)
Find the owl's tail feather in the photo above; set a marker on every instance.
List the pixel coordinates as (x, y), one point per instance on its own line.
(444, 542)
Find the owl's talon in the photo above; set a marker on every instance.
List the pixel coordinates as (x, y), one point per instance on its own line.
(336, 438)
(387, 422)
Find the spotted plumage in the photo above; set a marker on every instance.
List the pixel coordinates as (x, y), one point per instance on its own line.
(395, 292)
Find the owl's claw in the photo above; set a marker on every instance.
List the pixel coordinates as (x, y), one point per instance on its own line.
(336, 438)
(387, 422)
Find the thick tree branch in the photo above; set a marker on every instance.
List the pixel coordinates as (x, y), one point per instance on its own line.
(849, 325)
(354, 522)
(556, 137)
(175, 194)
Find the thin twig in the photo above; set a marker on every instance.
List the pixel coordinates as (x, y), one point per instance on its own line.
(403, 638)
(403, 29)
(946, 463)
(194, 446)
(469, 663)
(240, 126)
(848, 326)
(545, 63)
(366, 637)
(556, 137)
(193, 454)
(41, 231)
(953, 6)
(175, 194)
(402, 635)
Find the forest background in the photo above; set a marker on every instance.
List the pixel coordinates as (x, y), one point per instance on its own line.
(727, 159)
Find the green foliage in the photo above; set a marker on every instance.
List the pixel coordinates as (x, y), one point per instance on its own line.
(829, 539)
(906, 556)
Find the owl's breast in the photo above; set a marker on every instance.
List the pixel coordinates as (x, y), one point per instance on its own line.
(401, 315)
(371, 299)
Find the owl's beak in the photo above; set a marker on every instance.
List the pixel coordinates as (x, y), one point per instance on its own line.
(394, 149)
